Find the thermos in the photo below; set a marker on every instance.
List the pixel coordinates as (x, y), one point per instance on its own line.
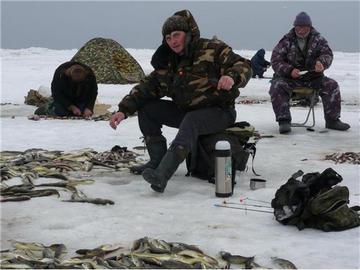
(223, 169)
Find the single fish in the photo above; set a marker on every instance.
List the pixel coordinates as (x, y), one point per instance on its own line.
(158, 246)
(285, 264)
(9, 265)
(236, 259)
(177, 247)
(254, 265)
(15, 199)
(100, 251)
(91, 200)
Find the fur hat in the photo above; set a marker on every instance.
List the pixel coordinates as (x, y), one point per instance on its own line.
(302, 19)
(175, 23)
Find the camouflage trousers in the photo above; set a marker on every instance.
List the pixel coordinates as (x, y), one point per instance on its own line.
(328, 89)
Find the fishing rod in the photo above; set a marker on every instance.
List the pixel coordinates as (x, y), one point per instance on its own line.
(247, 198)
(246, 204)
(242, 208)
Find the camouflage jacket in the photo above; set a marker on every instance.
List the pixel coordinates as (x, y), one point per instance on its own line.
(191, 80)
(286, 55)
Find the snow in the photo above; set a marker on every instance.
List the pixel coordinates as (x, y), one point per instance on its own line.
(185, 212)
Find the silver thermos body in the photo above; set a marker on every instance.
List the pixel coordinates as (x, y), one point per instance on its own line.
(223, 169)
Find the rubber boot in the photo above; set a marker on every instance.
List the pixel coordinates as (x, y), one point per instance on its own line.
(159, 177)
(156, 146)
(337, 125)
(284, 127)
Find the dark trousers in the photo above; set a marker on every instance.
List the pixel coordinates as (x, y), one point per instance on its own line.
(60, 110)
(191, 124)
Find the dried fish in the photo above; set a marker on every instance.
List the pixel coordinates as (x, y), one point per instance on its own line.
(347, 157)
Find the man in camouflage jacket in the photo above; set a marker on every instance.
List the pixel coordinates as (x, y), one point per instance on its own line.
(201, 77)
(304, 49)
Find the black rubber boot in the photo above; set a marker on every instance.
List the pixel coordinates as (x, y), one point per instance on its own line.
(284, 127)
(159, 177)
(337, 125)
(156, 146)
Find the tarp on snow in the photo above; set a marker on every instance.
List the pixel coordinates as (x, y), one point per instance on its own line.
(111, 63)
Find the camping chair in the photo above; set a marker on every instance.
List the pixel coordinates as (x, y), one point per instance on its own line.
(312, 94)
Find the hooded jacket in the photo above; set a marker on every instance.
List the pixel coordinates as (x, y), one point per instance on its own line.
(287, 55)
(191, 80)
(258, 62)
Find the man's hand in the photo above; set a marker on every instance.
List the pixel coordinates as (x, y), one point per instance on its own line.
(75, 110)
(319, 67)
(87, 113)
(225, 82)
(295, 73)
(116, 118)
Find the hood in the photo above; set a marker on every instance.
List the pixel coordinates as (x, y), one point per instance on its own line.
(194, 29)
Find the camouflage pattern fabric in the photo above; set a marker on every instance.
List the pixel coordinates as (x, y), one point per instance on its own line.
(281, 89)
(191, 82)
(285, 57)
(111, 63)
(329, 211)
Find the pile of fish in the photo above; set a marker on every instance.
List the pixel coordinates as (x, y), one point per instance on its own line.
(102, 117)
(145, 253)
(246, 100)
(38, 163)
(347, 157)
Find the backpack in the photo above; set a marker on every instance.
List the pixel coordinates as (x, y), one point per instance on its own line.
(315, 202)
(201, 164)
(328, 211)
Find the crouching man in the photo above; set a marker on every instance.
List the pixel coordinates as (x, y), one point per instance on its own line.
(74, 90)
(201, 77)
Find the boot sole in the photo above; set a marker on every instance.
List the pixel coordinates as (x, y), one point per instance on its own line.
(339, 129)
(157, 189)
(285, 131)
(149, 177)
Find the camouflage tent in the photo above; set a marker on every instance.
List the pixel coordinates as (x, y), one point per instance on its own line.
(111, 63)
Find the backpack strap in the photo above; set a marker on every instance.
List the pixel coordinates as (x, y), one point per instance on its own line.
(251, 148)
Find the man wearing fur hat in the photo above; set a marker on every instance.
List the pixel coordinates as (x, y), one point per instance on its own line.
(202, 77)
(304, 49)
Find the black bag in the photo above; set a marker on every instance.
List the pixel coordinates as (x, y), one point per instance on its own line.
(202, 163)
(315, 203)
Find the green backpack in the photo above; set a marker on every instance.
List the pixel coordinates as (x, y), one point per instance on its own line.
(329, 211)
(315, 202)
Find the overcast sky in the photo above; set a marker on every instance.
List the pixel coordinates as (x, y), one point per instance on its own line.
(241, 24)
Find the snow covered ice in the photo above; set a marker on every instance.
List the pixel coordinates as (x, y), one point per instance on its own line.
(185, 212)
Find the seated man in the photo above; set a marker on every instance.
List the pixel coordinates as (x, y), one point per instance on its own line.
(202, 78)
(74, 90)
(258, 64)
(304, 50)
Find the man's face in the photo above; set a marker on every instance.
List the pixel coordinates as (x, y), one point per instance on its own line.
(176, 41)
(302, 31)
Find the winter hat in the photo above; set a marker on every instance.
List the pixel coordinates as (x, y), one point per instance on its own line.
(302, 19)
(175, 23)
